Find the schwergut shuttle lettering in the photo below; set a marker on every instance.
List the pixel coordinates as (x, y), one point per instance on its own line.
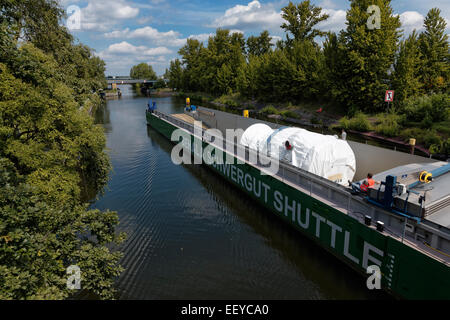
(292, 209)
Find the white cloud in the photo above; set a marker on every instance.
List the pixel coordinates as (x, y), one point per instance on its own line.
(117, 33)
(129, 49)
(328, 4)
(201, 37)
(411, 20)
(253, 15)
(275, 39)
(120, 57)
(335, 21)
(264, 16)
(236, 31)
(170, 38)
(101, 15)
(123, 47)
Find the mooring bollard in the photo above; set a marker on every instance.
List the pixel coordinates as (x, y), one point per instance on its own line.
(412, 143)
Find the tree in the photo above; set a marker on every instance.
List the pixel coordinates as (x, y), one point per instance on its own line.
(223, 59)
(334, 77)
(259, 45)
(308, 60)
(213, 69)
(247, 79)
(159, 84)
(434, 48)
(224, 79)
(276, 76)
(369, 55)
(36, 21)
(192, 63)
(300, 21)
(51, 154)
(143, 71)
(175, 75)
(406, 76)
(39, 241)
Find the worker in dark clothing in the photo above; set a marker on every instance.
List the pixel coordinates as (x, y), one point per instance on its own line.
(286, 152)
(288, 145)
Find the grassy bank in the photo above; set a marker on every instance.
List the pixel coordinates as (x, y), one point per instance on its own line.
(426, 119)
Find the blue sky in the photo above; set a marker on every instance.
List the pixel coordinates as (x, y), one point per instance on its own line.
(127, 32)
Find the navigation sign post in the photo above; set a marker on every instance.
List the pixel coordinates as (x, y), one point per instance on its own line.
(389, 97)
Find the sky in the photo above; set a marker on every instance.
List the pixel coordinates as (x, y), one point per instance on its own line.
(127, 32)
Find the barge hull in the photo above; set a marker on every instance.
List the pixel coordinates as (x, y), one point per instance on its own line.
(406, 273)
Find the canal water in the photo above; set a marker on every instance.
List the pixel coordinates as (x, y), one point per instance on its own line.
(191, 235)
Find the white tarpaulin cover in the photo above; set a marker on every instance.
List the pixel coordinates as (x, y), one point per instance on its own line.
(324, 155)
(255, 137)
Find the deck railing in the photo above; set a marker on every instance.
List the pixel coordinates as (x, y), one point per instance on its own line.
(319, 188)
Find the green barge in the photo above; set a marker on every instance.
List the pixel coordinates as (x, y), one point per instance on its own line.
(411, 247)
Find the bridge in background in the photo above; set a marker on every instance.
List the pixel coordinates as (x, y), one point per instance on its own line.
(127, 80)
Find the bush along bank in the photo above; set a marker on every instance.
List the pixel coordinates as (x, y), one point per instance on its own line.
(394, 128)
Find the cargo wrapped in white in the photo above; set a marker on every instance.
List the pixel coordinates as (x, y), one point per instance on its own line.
(255, 137)
(324, 155)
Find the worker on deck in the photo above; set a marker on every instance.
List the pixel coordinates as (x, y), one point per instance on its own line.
(188, 104)
(151, 106)
(286, 153)
(343, 135)
(288, 145)
(368, 183)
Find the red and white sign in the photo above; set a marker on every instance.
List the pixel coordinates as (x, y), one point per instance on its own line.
(389, 97)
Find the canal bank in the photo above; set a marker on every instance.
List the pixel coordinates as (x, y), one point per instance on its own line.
(192, 236)
(321, 121)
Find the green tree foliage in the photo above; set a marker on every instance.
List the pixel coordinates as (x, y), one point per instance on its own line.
(309, 62)
(406, 77)
(369, 54)
(433, 43)
(230, 64)
(334, 65)
(215, 68)
(40, 239)
(301, 20)
(275, 75)
(175, 74)
(36, 21)
(353, 68)
(247, 80)
(51, 155)
(143, 71)
(194, 62)
(428, 108)
(159, 84)
(225, 54)
(259, 45)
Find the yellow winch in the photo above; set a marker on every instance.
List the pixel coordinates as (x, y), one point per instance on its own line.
(425, 176)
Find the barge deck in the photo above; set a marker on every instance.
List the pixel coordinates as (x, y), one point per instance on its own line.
(402, 244)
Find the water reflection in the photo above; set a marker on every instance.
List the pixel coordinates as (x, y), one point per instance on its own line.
(191, 235)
